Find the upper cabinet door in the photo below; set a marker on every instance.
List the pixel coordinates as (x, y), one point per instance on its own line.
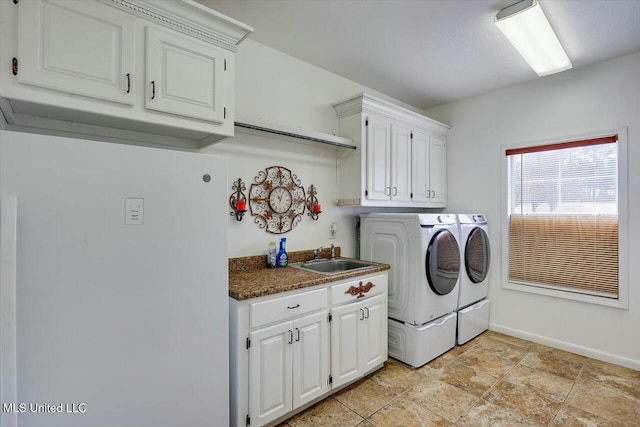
(420, 168)
(184, 76)
(438, 171)
(400, 164)
(378, 159)
(79, 47)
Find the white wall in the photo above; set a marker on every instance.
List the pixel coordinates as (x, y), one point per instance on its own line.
(273, 86)
(601, 97)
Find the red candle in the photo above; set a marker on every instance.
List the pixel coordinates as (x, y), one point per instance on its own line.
(241, 205)
(317, 208)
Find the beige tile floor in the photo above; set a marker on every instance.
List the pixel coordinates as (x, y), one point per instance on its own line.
(493, 380)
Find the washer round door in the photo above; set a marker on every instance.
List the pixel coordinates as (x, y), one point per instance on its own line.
(477, 255)
(442, 262)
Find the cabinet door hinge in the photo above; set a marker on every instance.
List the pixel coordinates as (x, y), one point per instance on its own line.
(329, 317)
(225, 113)
(14, 66)
(248, 420)
(248, 343)
(225, 64)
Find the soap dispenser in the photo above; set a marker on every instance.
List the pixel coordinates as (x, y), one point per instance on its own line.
(283, 258)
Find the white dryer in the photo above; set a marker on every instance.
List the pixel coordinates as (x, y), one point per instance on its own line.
(475, 252)
(424, 255)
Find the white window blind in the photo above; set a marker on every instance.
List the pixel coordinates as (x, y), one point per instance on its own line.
(563, 216)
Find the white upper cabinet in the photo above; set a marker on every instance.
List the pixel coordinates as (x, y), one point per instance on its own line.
(400, 190)
(438, 171)
(184, 77)
(107, 67)
(429, 172)
(400, 160)
(378, 159)
(80, 48)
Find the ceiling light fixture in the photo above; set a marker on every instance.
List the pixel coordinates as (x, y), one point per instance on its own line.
(529, 31)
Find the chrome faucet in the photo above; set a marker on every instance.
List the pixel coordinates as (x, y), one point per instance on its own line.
(333, 251)
(316, 253)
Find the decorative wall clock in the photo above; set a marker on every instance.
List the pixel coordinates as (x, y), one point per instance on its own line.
(277, 200)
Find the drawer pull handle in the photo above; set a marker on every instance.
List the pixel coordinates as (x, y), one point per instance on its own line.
(360, 290)
(293, 307)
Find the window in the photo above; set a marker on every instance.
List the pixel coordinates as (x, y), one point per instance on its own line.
(563, 219)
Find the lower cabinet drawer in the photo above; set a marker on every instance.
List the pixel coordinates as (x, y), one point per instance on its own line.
(262, 313)
(358, 289)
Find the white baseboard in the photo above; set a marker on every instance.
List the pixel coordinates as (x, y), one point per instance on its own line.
(562, 345)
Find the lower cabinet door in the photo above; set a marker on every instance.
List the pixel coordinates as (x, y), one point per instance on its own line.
(270, 367)
(345, 347)
(310, 358)
(373, 334)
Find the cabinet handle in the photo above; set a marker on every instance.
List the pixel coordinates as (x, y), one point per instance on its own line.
(298, 332)
(290, 336)
(428, 193)
(128, 83)
(434, 194)
(153, 89)
(389, 191)
(366, 310)
(361, 314)
(293, 306)
(395, 191)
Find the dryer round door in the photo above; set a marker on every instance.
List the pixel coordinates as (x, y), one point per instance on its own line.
(442, 262)
(477, 255)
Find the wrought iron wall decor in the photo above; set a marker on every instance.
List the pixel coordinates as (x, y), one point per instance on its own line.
(277, 200)
(238, 200)
(312, 203)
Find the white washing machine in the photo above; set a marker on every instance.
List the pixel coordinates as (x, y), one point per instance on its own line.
(475, 252)
(424, 255)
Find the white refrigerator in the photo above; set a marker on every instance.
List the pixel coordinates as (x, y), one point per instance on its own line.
(113, 285)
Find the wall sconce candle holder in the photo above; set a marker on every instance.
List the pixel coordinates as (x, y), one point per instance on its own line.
(313, 206)
(238, 200)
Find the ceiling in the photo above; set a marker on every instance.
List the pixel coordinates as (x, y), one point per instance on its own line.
(430, 52)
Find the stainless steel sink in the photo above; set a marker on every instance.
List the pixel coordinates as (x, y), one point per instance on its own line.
(333, 266)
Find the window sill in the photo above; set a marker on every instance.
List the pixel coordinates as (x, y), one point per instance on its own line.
(590, 299)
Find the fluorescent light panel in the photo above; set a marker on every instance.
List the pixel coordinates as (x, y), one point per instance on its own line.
(529, 31)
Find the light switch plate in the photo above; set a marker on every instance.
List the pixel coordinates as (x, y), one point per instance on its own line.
(134, 211)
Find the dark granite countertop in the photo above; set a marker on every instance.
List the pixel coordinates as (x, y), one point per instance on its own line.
(250, 278)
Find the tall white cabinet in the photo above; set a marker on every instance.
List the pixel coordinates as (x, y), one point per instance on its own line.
(153, 66)
(292, 349)
(400, 160)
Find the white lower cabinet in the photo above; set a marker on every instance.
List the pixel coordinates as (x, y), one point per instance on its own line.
(289, 366)
(291, 350)
(358, 339)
